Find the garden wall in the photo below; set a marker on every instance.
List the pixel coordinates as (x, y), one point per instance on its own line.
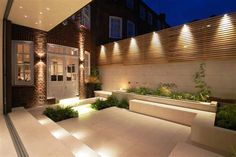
(220, 76)
(173, 56)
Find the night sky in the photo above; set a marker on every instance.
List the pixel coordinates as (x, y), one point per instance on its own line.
(183, 11)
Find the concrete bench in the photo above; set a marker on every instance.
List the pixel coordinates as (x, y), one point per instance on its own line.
(204, 132)
(7, 148)
(171, 113)
(187, 150)
(36, 139)
(103, 94)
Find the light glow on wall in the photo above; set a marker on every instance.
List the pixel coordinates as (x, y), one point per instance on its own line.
(116, 47)
(102, 51)
(156, 43)
(133, 47)
(185, 38)
(225, 23)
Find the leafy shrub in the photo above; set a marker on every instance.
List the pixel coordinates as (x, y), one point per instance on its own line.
(144, 91)
(60, 113)
(110, 102)
(123, 104)
(226, 117)
(204, 92)
(131, 90)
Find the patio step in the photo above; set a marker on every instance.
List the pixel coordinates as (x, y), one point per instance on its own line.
(172, 113)
(187, 150)
(36, 139)
(7, 148)
(77, 147)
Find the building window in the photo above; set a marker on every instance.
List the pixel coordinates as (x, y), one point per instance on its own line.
(71, 73)
(23, 62)
(85, 17)
(130, 29)
(56, 70)
(142, 12)
(150, 18)
(130, 4)
(115, 27)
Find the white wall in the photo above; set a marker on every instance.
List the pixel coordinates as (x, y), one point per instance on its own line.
(220, 76)
(1, 72)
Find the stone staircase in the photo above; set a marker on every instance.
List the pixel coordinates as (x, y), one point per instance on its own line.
(42, 137)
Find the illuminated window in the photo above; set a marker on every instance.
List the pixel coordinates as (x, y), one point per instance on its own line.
(23, 62)
(130, 29)
(115, 27)
(150, 18)
(142, 12)
(130, 4)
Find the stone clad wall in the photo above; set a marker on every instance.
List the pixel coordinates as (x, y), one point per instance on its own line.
(220, 76)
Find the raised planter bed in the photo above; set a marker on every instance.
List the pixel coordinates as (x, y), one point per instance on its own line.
(204, 106)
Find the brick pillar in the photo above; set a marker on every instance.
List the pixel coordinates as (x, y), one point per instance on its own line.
(82, 87)
(40, 69)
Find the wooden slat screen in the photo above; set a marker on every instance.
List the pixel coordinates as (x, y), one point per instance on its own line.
(213, 38)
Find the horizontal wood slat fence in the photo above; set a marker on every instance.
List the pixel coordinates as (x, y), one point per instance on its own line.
(213, 38)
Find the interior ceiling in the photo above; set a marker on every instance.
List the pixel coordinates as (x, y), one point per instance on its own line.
(43, 14)
(3, 4)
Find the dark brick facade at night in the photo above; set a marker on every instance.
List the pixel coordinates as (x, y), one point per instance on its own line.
(70, 34)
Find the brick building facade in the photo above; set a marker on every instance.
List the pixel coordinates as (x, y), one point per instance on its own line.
(97, 19)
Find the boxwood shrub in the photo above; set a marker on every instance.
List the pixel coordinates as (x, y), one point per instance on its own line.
(110, 102)
(226, 116)
(59, 113)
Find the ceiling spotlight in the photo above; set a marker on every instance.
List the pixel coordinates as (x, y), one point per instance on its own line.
(36, 23)
(26, 16)
(20, 7)
(40, 13)
(47, 9)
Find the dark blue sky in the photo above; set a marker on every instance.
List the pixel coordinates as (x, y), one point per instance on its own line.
(182, 11)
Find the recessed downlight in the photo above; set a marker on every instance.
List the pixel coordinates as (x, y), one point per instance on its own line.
(36, 23)
(25, 16)
(40, 12)
(20, 7)
(47, 9)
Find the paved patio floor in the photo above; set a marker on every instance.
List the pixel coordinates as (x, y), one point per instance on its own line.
(117, 132)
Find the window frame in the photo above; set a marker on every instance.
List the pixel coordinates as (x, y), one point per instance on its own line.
(15, 80)
(142, 12)
(130, 4)
(150, 18)
(133, 27)
(121, 27)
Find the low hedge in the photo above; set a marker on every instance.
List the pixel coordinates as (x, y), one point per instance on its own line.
(59, 113)
(110, 102)
(226, 116)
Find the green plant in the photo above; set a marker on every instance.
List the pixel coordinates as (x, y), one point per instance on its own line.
(131, 90)
(233, 152)
(110, 102)
(123, 104)
(144, 91)
(204, 92)
(225, 117)
(60, 113)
